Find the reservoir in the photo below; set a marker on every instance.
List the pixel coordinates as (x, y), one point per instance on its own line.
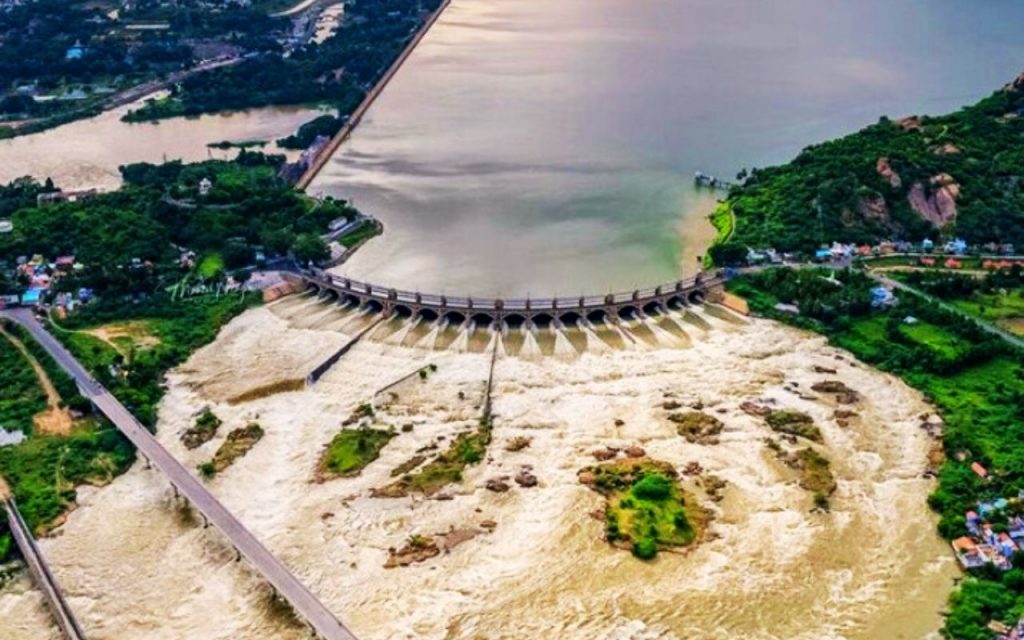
(532, 147)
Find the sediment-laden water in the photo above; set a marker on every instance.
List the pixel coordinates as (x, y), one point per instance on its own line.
(136, 566)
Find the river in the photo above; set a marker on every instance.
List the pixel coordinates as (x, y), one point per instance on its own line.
(549, 147)
(86, 154)
(136, 566)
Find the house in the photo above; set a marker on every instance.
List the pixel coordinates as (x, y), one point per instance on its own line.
(980, 470)
(75, 52)
(927, 245)
(953, 263)
(32, 296)
(968, 553)
(956, 246)
(822, 254)
(928, 262)
(882, 297)
(204, 186)
(973, 522)
(65, 263)
(1006, 545)
(6, 226)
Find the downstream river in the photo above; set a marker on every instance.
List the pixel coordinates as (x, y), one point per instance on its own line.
(549, 147)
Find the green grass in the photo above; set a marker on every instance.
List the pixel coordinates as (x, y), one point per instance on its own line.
(935, 338)
(351, 450)
(793, 423)
(237, 444)
(646, 509)
(210, 265)
(467, 448)
(202, 431)
(363, 232)
(1006, 310)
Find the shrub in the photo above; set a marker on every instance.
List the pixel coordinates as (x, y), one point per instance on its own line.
(653, 487)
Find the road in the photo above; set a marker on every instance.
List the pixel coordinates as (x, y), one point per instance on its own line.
(306, 605)
(37, 566)
(1017, 341)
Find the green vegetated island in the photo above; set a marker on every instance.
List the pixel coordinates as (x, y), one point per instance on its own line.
(149, 274)
(960, 175)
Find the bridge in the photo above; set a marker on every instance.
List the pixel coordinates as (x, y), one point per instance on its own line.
(497, 311)
(39, 570)
(307, 607)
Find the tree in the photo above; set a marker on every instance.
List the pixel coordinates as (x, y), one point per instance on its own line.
(728, 254)
(309, 247)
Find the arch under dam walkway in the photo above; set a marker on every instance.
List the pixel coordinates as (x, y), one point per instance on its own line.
(496, 311)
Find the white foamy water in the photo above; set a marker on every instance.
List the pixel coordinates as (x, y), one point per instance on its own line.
(136, 566)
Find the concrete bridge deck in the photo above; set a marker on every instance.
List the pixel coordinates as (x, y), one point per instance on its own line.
(305, 604)
(39, 570)
(526, 310)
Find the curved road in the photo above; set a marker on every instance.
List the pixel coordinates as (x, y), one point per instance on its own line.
(306, 605)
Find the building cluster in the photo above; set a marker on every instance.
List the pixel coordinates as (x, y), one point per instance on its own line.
(1004, 632)
(989, 543)
(40, 276)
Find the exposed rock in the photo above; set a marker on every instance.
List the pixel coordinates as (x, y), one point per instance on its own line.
(697, 427)
(517, 443)
(886, 171)
(619, 422)
(820, 369)
(526, 479)
(635, 452)
(604, 454)
(416, 549)
(693, 468)
(587, 478)
(408, 466)
(913, 123)
(671, 405)
(947, 149)
(455, 537)
(497, 485)
(489, 525)
(843, 394)
(937, 203)
(713, 486)
(755, 409)
(873, 207)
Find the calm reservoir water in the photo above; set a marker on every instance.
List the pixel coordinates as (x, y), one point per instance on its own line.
(543, 147)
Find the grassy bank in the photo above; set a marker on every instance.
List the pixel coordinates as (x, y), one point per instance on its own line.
(975, 381)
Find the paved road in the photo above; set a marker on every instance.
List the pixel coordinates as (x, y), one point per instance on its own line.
(987, 326)
(306, 605)
(41, 575)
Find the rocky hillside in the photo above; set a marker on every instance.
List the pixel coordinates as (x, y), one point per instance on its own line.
(921, 176)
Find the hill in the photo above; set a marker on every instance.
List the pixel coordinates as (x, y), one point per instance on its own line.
(953, 175)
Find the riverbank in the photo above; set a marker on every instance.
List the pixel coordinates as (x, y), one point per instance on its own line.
(327, 152)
